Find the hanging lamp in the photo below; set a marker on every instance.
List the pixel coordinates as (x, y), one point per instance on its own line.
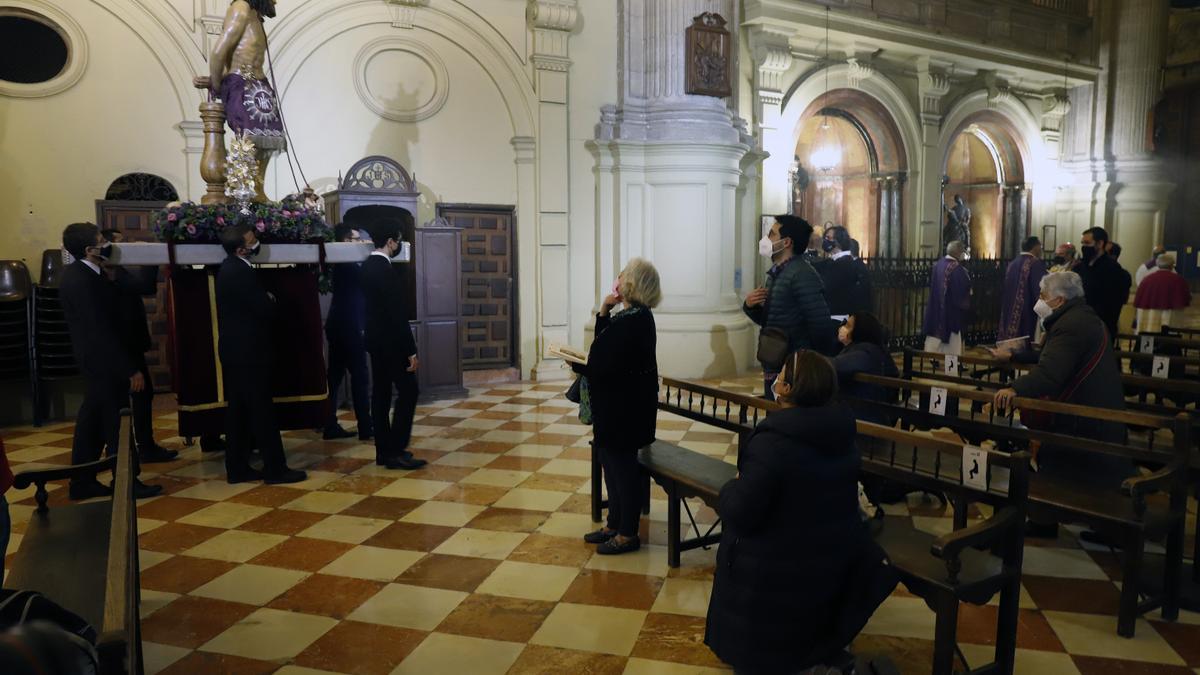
(827, 154)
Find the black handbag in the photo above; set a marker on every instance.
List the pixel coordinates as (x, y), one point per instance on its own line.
(573, 393)
(772, 348)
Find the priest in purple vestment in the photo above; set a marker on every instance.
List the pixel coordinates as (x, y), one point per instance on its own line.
(1021, 291)
(949, 301)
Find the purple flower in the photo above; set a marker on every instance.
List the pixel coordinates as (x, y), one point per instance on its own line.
(220, 220)
(191, 228)
(171, 217)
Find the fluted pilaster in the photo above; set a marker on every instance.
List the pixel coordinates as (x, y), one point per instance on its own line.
(1141, 43)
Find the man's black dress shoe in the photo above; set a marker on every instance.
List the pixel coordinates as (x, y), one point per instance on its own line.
(88, 490)
(336, 432)
(247, 475)
(407, 463)
(212, 444)
(365, 435)
(142, 491)
(286, 476)
(156, 454)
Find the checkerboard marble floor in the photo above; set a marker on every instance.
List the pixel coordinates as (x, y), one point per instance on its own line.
(474, 564)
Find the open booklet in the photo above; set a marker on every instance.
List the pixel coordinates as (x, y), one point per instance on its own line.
(569, 354)
(1012, 345)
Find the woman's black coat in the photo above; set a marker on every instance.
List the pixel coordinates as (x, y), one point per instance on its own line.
(622, 375)
(869, 358)
(797, 574)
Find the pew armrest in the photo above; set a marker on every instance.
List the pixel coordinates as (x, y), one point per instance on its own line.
(40, 477)
(1137, 487)
(949, 546)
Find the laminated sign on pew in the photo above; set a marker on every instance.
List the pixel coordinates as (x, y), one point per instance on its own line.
(1161, 367)
(974, 467)
(951, 364)
(1147, 344)
(937, 401)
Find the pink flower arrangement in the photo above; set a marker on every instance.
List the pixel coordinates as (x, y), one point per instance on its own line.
(191, 228)
(172, 217)
(260, 226)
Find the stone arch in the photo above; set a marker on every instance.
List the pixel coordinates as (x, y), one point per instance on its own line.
(142, 187)
(298, 36)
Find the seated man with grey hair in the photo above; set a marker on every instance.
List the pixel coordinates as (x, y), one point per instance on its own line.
(1075, 365)
(949, 301)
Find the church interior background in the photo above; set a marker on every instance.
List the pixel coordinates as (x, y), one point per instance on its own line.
(561, 132)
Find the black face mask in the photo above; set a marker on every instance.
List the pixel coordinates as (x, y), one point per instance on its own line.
(254, 251)
(1088, 252)
(1059, 260)
(828, 245)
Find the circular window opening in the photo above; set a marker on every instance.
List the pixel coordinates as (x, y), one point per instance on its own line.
(31, 50)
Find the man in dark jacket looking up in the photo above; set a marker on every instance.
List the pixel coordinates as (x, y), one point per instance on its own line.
(793, 299)
(1105, 283)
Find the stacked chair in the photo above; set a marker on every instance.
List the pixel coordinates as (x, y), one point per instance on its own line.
(15, 296)
(53, 359)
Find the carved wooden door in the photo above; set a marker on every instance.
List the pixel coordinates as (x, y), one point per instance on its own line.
(488, 291)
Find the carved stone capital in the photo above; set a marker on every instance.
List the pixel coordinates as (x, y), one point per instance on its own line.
(525, 148)
(997, 89)
(859, 71)
(932, 85)
(773, 60)
(1056, 106)
(559, 15)
(404, 12)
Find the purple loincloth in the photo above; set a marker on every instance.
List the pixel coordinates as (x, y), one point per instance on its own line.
(252, 110)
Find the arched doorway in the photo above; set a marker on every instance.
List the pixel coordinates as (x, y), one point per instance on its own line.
(851, 169)
(985, 165)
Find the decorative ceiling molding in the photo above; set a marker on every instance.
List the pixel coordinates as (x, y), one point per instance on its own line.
(72, 34)
(404, 12)
(387, 109)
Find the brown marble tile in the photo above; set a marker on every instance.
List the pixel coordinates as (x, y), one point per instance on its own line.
(283, 521)
(1094, 665)
(174, 484)
(520, 399)
(1088, 596)
(359, 485)
(673, 425)
(341, 465)
(480, 495)
(449, 474)
(910, 655)
(552, 439)
(1110, 562)
(613, 589)
(977, 625)
(539, 660)
(584, 454)
(268, 495)
(190, 622)
(176, 537)
(521, 426)
(496, 415)
(385, 508)
(462, 433)
(299, 553)
(327, 595)
(577, 504)
(473, 405)
(675, 638)
(550, 481)
(411, 536)
(183, 574)
(691, 572)
(1183, 638)
(451, 572)
(512, 463)
(497, 618)
(433, 420)
(508, 520)
(488, 447)
(544, 549)
(171, 508)
(360, 649)
(209, 662)
(709, 436)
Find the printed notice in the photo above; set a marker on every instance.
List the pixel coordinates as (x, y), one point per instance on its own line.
(951, 364)
(937, 401)
(974, 467)
(1161, 367)
(1147, 344)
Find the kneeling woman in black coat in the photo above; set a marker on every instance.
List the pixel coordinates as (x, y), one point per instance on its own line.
(797, 573)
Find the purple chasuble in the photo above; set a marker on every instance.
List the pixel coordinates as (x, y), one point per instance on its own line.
(1022, 286)
(949, 299)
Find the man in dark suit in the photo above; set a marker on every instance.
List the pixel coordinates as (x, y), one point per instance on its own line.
(344, 333)
(393, 351)
(244, 312)
(1105, 283)
(131, 285)
(89, 301)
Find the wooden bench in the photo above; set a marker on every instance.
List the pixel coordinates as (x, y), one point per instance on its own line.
(1123, 515)
(85, 557)
(971, 564)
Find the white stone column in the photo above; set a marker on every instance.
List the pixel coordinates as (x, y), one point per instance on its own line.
(669, 168)
(933, 85)
(773, 59)
(1140, 201)
(552, 22)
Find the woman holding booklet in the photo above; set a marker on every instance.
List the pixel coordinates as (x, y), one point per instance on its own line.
(622, 378)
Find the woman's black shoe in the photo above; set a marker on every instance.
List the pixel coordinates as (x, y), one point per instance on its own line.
(613, 547)
(599, 536)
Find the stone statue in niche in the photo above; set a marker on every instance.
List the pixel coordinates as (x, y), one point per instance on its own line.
(708, 56)
(247, 101)
(958, 223)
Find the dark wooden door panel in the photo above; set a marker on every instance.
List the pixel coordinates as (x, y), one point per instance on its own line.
(488, 298)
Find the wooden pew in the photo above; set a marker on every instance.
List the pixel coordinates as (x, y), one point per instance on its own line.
(1125, 516)
(85, 557)
(1188, 346)
(971, 564)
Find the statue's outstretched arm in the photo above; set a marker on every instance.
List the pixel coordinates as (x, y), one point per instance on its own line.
(236, 19)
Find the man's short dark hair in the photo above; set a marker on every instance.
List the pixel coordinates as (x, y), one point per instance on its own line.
(109, 232)
(343, 231)
(77, 238)
(1030, 243)
(795, 228)
(1115, 251)
(234, 237)
(841, 237)
(383, 229)
(264, 7)
(1098, 233)
(854, 247)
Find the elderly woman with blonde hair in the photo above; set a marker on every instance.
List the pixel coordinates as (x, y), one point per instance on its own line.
(622, 377)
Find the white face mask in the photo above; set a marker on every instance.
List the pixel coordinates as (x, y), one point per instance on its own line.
(1042, 309)
(766, 247)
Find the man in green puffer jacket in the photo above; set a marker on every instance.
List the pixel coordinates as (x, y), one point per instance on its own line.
(793, 298)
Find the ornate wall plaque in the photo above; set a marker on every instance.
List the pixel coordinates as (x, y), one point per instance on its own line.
(708, 56)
